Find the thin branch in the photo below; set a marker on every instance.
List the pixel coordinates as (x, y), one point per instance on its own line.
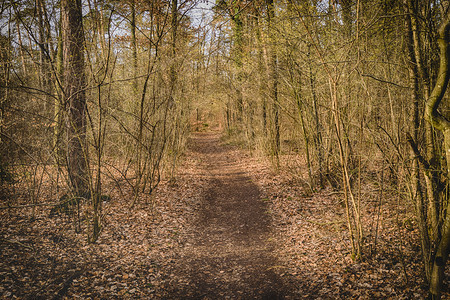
(385, 81)
(416, 151)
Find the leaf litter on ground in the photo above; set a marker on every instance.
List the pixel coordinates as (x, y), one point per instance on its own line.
(138, 251)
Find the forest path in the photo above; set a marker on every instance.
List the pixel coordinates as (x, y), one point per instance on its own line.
(228, 254)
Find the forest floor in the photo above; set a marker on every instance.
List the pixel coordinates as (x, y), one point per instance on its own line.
(229, 227)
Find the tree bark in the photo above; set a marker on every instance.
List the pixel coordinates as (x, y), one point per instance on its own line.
(134, 44)
(261, 72)
(318, 143)
(417, 195)
(439, 122)
(44, 58)
(273, 79)
(58, 102)
(74, 94)
(238, 57)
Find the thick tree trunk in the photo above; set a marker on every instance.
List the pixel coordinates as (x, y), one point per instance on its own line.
(74, 94)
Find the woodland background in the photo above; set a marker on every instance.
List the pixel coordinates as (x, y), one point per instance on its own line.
(345, 98)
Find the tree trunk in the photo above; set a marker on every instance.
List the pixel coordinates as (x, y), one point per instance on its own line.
(58, 102)
(74, 95)
(439, 122)
(134, 45)
(238, 29)
(261, 77)
(174, 21)
(273, 79)
(44, 58)
(318, 144)
(431, 176)
(417, 195)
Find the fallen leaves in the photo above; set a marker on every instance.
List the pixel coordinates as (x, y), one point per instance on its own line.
(139, 252)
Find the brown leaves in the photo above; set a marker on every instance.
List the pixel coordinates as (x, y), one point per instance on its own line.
(312, 240)
(139, 253)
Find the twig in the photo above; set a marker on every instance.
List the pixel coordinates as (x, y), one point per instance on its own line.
(18, 243)
(385, 81)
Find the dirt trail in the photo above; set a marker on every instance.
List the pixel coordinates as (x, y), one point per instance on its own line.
(229, 252)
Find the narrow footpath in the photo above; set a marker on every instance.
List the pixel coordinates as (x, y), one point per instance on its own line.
(228, 255)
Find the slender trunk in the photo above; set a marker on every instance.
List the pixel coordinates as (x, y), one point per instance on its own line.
(134, 45)
(174, 21)
(305, 138)
(5, 73)
(59, 101)
(21, 47)
(238, 58)
(100, 28)
(273, 79)
(318, 132)
(416, 186)
(44, 72)
(173, 81)
(431, 176)
(352, 206)
(261, 72)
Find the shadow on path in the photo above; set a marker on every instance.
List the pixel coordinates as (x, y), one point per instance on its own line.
(229, 254)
